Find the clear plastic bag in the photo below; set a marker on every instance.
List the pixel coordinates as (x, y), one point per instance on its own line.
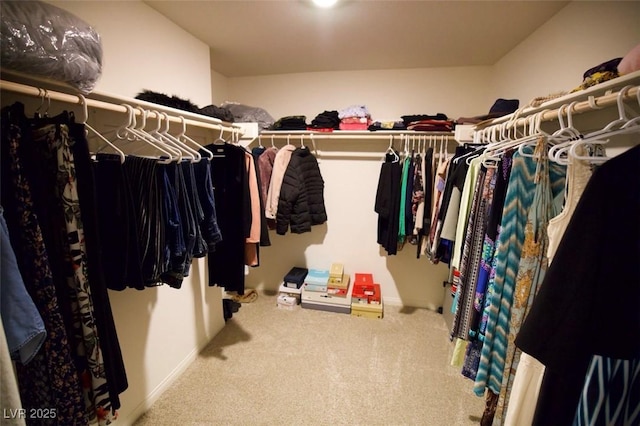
(248, 114)
(43, 40)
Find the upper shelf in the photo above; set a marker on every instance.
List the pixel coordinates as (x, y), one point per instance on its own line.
(599, 90)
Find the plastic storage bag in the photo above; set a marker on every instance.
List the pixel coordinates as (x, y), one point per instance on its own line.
(43, 40)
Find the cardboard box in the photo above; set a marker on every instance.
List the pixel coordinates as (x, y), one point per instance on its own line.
(363, 278)
(317, 277)
(295, 277)
(367, 311)
(343, 283)
(312, 296)
(336, 271)
(287, 302)
(315, 288)
(329, 307)
(337, 292)
(366, 293)
(289, 290)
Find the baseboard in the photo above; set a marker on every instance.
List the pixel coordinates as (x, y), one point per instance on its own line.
(413, 303)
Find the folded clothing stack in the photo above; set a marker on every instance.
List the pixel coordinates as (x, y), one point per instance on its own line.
(355, 117)
(291, 122)
(325, 121)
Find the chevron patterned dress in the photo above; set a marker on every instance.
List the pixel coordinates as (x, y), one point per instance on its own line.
(518, 202)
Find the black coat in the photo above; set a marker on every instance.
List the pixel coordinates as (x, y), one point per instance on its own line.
(301, 199)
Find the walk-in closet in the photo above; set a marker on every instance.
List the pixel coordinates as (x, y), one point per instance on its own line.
(278, 213)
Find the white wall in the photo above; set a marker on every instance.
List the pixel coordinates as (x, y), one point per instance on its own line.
(160, 329)
(388, 94)
(219, 88)
(554, 58)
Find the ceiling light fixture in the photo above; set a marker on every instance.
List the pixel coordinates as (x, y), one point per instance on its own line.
(325, 3)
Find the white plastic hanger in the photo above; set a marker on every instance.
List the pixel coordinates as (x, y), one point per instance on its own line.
(570, 133)
(621, 125)
(182, 136)
(220, 140)
(88, 128)
(164, 134)
(129, 132)
(392, 151)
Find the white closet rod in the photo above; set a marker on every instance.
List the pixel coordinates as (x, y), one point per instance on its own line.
(592, 104)
(204, 122)
(346, 134)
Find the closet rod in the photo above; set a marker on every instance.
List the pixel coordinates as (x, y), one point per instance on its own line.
(295, 136)
(579, 108)
(205, 122)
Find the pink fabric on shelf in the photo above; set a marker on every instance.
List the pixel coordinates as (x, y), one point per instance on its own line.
(630, 62)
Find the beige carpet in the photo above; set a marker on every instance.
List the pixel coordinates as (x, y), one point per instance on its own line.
(304, 367)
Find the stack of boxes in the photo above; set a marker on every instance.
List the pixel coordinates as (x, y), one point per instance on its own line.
(327, 290)
(291, 288)
(366, 298)
(331, 290)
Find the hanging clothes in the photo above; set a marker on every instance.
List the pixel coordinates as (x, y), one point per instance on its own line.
(528, 378)
(301, 200)
(116, 225)
(280, 164)
(150, 216)
(233, 211)
(265, 241)
(531, 270)
(423, 216)
(518, 201)
(402, 214)
(50, 379)
(472, 251)
(114, 368)
(576, 311)
(486, 266)
(430, 244)
(265, 166)
(253, 239)
(387, 203)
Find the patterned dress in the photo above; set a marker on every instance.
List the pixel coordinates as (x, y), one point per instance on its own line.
(50, 380)
(518, 201)
(55, 139)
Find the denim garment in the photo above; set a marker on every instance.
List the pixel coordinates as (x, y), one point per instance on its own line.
(209, 226)
(22, 322)
(174, 244)
(200, 249)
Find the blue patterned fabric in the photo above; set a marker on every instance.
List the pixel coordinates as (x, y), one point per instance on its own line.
(611, 393)
(519, 198)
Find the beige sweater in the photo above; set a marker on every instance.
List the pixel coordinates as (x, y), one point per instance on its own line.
(279, 168)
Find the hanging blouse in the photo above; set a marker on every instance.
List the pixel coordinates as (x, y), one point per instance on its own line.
(579, 310)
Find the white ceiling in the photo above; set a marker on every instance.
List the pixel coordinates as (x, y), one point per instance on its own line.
(261, 37)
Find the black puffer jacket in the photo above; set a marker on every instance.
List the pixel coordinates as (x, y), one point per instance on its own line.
(301, 200)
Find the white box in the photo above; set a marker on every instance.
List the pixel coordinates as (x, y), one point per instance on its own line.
(464, 132)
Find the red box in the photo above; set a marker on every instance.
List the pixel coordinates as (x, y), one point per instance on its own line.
(362, 278)
(366, 293)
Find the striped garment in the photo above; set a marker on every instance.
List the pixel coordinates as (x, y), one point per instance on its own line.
(518, 201)
(611, 393)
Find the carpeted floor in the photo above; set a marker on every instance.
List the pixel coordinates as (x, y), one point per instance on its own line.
(305, 367)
